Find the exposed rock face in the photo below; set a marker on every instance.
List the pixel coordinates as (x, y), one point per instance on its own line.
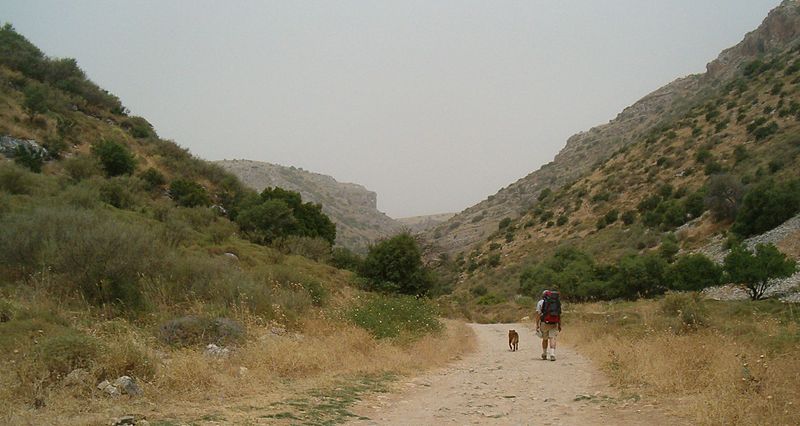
(586, 149)
(351, 207)
(416, 224)
(9, 145)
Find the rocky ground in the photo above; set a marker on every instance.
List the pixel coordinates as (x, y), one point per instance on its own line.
(786, 237)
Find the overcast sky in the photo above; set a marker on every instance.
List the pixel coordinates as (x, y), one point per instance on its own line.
(432, 104)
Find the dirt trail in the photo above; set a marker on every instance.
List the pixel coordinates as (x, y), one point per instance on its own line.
(496, 386)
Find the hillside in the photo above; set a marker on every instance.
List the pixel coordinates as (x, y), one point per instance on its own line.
(351, 207)
(137, 278)
(417, 224)
(697, 173)
(586, 150)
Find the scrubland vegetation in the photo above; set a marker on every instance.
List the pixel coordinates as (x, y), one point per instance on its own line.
(122, 254)
(712, 362)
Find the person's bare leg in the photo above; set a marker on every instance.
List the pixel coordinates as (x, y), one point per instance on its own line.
(552, 348)
(544, 348)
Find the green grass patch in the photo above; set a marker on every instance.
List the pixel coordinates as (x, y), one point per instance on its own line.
(395, 316)
(329, 405)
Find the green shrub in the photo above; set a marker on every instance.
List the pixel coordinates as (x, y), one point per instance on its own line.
(319, 294)
(16, 180)
(766, 206)
(29, 158)
(187, 193)
(153, 178)
(61, 354)
(629, 217)
(81, 167)
(755, 271)
(504, 223)
(562, 220)
(317, 248)
(493, 260)
(115, 158)
(611, 216)
(694, 272)
(119, 192)
(196, 330)
(479, 290)
(344, 258)
(395, 265)
(688, 308)
(489, 299)
(395, 316)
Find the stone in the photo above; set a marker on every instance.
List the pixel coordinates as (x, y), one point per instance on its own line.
(278, 331)
(128, 386)
(124, 420)
(9, 145)
(243, 371)
(217, 351)
(231, 256)
(108, 388)
(77, 377)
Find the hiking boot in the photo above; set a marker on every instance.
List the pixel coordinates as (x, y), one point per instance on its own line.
(553, 357)
(544, 356)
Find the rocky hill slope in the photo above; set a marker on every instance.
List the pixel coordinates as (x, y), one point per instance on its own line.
(588, 149)
(684, 173)
(417, 224)
(351, 207)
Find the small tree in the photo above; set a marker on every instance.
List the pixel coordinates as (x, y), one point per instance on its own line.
(755, 271)
(187, 193)
(694, 272)
(395, 265)
(115, 158)
(723, 196)
(766, 206)
(28, 157)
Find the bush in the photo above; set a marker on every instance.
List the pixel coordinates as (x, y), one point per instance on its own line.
(63, 353)
(196, 330)
(395, 265)
(755, 271)
(102, 258)
(611, 216)
(493, 260)
(187, 193)
(489, 299)
(81, 167)
(504, 223)
(29, 158)
(16, 180)
(766, 206)
(119, 192)
(395, 316)
(694, 272)
(562, 220)
(723, 196)
(114, 157)
(688, 308)
(629, 217)
(344, 258)
(153, 178)
(316, 249)
(479, 290)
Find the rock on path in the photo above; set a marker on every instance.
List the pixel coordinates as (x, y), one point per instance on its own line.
(496, 386)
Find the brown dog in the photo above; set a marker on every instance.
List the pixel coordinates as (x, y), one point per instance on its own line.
(513, 340)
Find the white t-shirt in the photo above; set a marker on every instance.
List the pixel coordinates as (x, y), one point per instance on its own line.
(539, 307)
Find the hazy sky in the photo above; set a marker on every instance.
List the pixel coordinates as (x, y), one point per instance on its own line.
(432, 104)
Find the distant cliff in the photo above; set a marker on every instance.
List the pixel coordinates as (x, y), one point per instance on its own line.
(351, 207)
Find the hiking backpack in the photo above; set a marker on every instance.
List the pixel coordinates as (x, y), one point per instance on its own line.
(551, 308)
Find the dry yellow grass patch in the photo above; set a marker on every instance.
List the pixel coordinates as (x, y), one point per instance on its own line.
(744, 373)
(189, 386)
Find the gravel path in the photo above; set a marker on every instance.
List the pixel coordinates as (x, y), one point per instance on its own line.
(496, 386)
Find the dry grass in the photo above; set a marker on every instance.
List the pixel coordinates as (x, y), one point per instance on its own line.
(740, 368)
(189, 386)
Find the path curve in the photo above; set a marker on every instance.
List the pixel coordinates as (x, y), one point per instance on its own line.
(496, 386)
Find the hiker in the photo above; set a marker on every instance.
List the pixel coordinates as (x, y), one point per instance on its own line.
(548, 322)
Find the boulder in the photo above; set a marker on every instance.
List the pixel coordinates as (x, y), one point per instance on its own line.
(9, 145)
(128, 386)
(77, 377)
(217, 351)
